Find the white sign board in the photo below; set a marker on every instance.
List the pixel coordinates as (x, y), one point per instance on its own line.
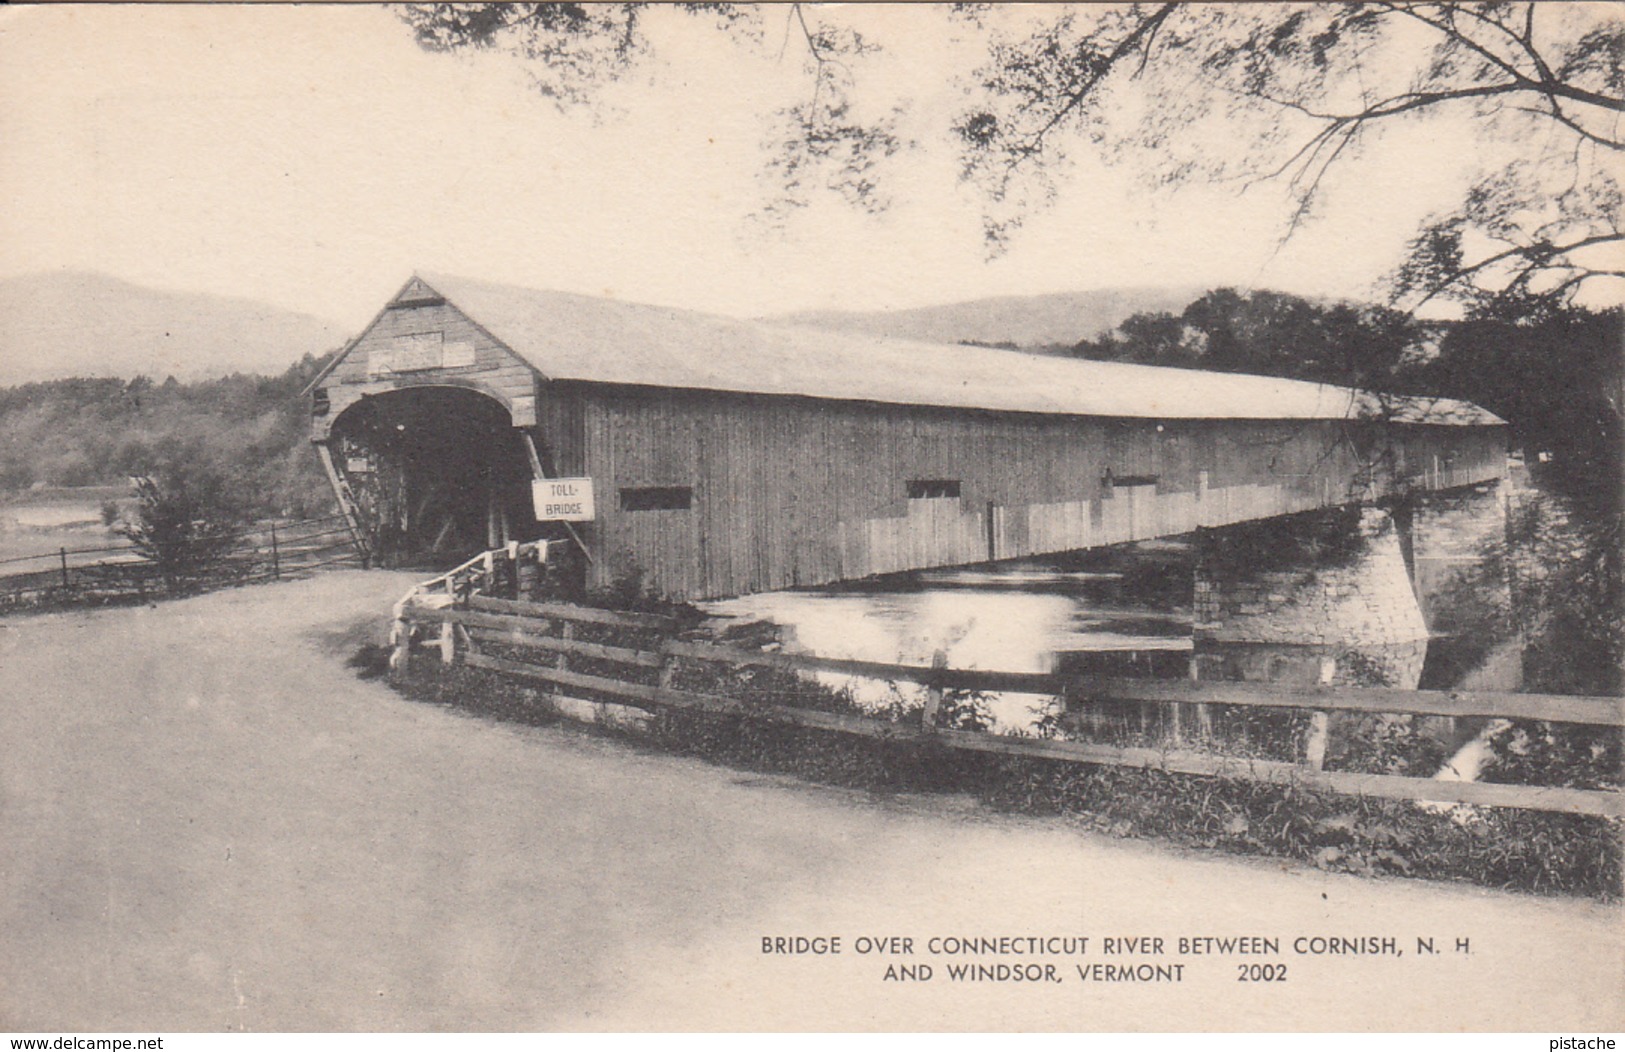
(408, 353)
(562, 500)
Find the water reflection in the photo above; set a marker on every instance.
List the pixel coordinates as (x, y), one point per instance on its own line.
(1023, 618)
(1032, 617)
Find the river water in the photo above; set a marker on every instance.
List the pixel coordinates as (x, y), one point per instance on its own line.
(1125, 611)
(1031, 617)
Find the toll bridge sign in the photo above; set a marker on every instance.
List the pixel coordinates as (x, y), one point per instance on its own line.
(562, 500)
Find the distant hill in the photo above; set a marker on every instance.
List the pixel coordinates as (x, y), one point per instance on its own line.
(1026, 321)
(70, 323)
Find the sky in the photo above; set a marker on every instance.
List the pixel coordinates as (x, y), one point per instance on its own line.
(314, 157)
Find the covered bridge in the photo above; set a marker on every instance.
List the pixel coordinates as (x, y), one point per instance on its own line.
(717, 456)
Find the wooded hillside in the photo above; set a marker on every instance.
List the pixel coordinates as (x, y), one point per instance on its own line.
(252, 430)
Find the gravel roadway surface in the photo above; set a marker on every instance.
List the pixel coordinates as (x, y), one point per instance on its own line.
(209, 823)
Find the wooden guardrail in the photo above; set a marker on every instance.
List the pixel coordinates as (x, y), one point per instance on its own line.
(643, 674)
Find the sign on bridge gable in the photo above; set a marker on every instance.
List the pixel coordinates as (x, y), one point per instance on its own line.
(415, 352)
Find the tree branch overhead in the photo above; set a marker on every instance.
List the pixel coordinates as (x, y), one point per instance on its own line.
(1186, 93)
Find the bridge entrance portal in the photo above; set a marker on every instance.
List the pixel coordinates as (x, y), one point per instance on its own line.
(435, 474)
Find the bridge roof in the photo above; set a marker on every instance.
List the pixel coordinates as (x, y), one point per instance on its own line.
(566, 336)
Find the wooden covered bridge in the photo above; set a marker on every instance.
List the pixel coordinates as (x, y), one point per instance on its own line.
(716, 456)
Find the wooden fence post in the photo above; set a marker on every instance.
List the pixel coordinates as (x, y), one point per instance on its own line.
(933, 695)
(1320, 722)
(276, 557)
(1314, 745)
(448, 643)
(668, 669)
(63, 553)
(400, 638)
(1203, 715)
(400, 635)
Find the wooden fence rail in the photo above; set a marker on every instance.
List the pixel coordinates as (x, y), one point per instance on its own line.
(461, 624)
(268, 551)
(1558, 708)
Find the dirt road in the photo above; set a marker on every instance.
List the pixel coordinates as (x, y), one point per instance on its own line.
(208, 823)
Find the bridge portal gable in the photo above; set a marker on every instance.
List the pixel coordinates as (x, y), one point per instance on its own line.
(421, 340)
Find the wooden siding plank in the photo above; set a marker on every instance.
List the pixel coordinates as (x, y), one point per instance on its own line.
(813, 491)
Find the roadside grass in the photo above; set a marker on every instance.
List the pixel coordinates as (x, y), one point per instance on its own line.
(1537, 852)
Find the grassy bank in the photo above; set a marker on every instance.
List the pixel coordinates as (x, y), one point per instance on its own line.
(1526, 851)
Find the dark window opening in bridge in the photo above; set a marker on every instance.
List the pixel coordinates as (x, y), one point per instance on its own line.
(657, 498)
(932, 489)
(1109, 481)
(319, 403)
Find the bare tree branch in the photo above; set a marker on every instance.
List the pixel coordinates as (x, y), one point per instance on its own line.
(1146, 30)
(1538, 254)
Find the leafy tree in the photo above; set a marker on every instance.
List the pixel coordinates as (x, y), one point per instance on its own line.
(570, 49)
(1558, 377)
(1272, 334)
(1242, 92)
(1154, 339)
(1294, 88)
(1559, 380)
(186, 523)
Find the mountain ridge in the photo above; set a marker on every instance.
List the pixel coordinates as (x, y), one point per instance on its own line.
(1027, 321)
(60, 324)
